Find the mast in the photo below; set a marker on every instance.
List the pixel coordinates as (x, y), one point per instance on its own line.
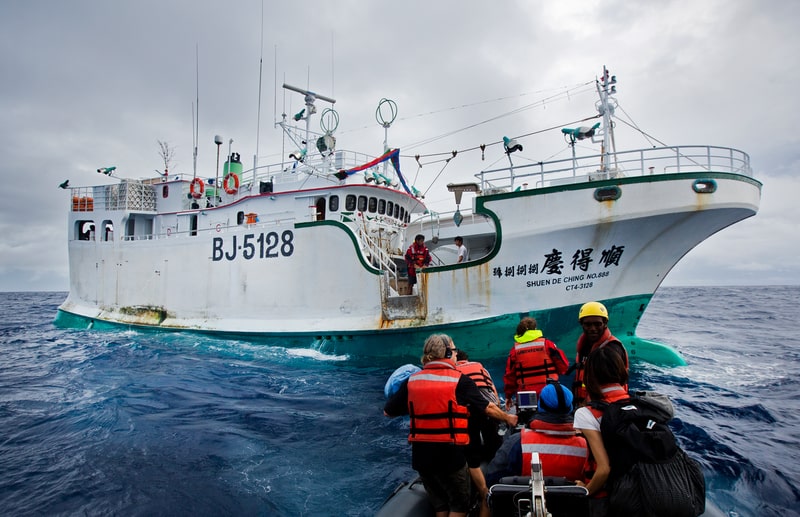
(258, 117)
(196, 120)
(606, 87)
(310, 98)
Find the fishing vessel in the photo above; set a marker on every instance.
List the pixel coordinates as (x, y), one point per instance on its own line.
(310, 251)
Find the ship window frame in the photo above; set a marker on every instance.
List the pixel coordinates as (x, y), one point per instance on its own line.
(372, 204)
(108, 230)
(84, 230)
(333, 203)
(350, 202)
(382, 206)
(390, 208)
(362, 203)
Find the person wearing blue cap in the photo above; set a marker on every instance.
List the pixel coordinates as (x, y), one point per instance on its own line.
(562, 451)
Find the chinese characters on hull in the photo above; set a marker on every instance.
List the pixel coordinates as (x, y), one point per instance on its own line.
(559, 272)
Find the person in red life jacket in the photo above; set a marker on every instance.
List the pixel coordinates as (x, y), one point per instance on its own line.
(439, 399)
(484, 437)
(551, 433)
(532, 361)
(593, 318)
(606, 378)
(417, 257)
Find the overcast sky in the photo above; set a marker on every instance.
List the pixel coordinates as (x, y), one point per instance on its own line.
(93, 83)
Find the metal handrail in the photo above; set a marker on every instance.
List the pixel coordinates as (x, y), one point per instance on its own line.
(639, 162)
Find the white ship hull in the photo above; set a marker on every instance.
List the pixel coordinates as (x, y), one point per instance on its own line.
(287, 262)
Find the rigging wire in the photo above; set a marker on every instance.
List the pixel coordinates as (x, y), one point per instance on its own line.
(633, 125)
(446, 163)
(565, 93)
(541, 102)
(483, 146)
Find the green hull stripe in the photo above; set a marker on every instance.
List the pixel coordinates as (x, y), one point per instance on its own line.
(489, 338)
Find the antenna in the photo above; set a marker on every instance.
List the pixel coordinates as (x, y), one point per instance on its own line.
(310, 109)
(196, 121)
(258, 117)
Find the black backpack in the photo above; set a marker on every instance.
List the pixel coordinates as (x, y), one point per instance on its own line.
(650, 474)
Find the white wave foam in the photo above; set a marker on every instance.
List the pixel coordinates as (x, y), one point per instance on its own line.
(315, 354)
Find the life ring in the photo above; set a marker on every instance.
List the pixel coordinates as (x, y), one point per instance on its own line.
(196, 188)
(228, 188)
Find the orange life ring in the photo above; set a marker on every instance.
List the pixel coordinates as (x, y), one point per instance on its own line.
(196, 188)
(228, 188)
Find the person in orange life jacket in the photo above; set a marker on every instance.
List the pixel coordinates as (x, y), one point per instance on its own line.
(484, 438)
(438, 399)
(593, 318)
(532, 361)
(606, 378)
(563, 453)
(417, 257)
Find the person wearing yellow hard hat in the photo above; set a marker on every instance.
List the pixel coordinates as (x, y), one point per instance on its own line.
(593, 318)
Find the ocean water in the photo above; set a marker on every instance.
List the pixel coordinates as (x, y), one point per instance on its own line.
(149, 423)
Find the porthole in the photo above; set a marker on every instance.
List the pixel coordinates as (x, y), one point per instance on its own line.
(611, 193)
(704, 186)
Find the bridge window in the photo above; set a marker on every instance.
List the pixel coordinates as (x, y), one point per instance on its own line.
(362, 203)
(333, 203)
(389, 208)
(350, 202)
(84, 230)
(373, 205)
(108, 231)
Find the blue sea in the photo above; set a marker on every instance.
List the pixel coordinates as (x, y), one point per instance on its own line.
(149, 423)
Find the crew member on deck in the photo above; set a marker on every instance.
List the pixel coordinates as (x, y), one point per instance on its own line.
(417, 257)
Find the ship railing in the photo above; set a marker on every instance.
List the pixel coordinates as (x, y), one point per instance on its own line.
(377, 255)
(639, 162)
(132, 195)
(172, 232)
(314, 164)
(435, 221)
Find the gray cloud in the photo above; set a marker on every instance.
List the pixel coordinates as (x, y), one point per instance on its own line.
(90, 83)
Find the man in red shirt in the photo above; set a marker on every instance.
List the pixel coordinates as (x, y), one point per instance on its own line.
(417, 257)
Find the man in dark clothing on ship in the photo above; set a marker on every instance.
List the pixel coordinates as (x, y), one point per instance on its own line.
(438, 399)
